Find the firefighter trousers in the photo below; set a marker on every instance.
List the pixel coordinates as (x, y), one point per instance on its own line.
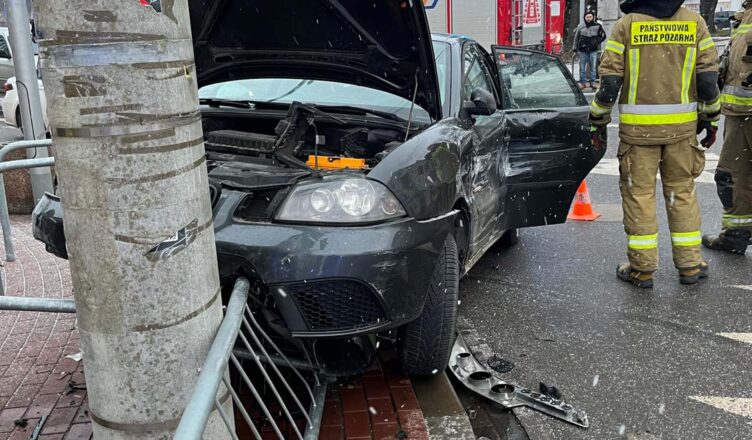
(733, 177)
(679, 163)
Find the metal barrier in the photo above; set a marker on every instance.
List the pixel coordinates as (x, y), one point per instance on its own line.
(10, 254)
(241, 327)
(26, 304)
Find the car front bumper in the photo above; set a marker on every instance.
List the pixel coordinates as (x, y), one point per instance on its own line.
(335, 281)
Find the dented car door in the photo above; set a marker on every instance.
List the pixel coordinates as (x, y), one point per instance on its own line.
(550, 151)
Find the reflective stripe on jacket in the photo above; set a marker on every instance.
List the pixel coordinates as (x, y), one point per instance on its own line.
(659, 60)
(736, 97)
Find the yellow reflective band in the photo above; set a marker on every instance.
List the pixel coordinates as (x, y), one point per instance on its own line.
(742, 29)
(615, 46)
(643, 241)
(710, 108)
(706, 44)
(667, 119)
(687, 71)
(735, 221)
(634, 74)
(686, 238)
(597, 109)
(735, 100)
(664, 32)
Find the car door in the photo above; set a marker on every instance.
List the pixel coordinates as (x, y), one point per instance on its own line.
(550, 150)
(481, 179)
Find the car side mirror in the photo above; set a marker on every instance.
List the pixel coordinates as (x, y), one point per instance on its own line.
(482, 103)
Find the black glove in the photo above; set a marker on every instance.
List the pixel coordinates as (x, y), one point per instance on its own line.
(599, 132)
(711, 132)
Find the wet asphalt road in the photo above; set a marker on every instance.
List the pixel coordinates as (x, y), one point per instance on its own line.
(639, 362)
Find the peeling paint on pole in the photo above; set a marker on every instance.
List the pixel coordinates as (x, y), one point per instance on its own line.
(123, 107)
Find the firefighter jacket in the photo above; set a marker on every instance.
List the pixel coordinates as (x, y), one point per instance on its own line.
(664, 71)
(736, 99)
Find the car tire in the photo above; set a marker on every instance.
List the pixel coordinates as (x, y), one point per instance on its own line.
(427, 341)
(510, 238)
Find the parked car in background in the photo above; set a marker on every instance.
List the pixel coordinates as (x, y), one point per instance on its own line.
(723, 19)
(358, 168)
(6, 60)
(11, 109)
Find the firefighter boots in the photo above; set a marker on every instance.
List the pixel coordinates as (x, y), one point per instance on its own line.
(640, 279)
(734, 241)
(693, 275)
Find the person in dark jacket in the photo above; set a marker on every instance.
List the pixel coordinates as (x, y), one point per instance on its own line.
(587, 42)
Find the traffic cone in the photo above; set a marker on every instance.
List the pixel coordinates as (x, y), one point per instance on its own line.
(582, 209)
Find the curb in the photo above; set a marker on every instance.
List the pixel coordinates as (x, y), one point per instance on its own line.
(444, 414)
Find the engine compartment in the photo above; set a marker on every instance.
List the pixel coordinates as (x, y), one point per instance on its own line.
(303, 138)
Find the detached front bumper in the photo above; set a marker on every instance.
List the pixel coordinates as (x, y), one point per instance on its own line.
(335, 281)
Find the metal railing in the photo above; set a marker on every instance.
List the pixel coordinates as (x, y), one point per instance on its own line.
(27, 304)
(240, 327)
(10, 254)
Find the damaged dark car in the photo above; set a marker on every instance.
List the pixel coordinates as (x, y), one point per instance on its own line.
(360, 166)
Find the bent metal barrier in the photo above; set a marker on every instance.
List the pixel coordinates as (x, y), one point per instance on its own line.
(239, 328)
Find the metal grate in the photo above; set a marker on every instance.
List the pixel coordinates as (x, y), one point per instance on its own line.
(337, 304)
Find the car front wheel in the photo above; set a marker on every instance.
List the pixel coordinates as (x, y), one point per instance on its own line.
(427, 341)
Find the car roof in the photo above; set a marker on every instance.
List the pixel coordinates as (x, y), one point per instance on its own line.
(450, 38)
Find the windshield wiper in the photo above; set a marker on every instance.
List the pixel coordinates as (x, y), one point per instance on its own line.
(216, 102)
(363, 111)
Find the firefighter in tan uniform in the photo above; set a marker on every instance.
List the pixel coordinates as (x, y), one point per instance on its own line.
(661, 63)
(733, 175)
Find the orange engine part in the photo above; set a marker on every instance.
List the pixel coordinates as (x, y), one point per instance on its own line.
(335, 163)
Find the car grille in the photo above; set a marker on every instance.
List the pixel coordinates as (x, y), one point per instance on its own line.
(337, 305)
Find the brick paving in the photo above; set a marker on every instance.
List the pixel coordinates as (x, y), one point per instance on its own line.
(380, 405)
(37, 380)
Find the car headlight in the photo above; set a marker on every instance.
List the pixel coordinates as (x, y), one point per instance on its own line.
(351, 200)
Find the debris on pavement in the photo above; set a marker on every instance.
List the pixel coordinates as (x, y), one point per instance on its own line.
(549, 390)
(500, 365)
(76, 356)
(475, 377)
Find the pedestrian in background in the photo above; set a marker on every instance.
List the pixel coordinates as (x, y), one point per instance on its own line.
(587, 42)
(733, 176)
(661, 63)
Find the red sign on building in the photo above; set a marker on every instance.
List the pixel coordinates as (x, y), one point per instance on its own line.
(532, 12)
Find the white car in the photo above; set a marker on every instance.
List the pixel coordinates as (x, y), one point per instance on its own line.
(12, 112)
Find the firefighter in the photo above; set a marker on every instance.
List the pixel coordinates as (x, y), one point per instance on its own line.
(661, 63)
(733, 176)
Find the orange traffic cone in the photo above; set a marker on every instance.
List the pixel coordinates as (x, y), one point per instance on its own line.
(582, 209)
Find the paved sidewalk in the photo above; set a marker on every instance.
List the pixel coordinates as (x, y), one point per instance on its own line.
(37, 381)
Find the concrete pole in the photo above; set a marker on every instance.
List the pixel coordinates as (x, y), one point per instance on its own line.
(27, 86)
(123, 106)
(608, 12)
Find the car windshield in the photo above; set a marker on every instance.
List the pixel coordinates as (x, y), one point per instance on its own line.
(327, 93)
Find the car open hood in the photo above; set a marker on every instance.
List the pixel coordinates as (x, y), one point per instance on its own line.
(383, 44)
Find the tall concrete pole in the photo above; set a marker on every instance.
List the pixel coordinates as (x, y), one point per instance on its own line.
(30, 104)
(123, 106)
(609, 13)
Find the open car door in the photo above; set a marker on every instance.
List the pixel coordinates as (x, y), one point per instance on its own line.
(549, 151)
